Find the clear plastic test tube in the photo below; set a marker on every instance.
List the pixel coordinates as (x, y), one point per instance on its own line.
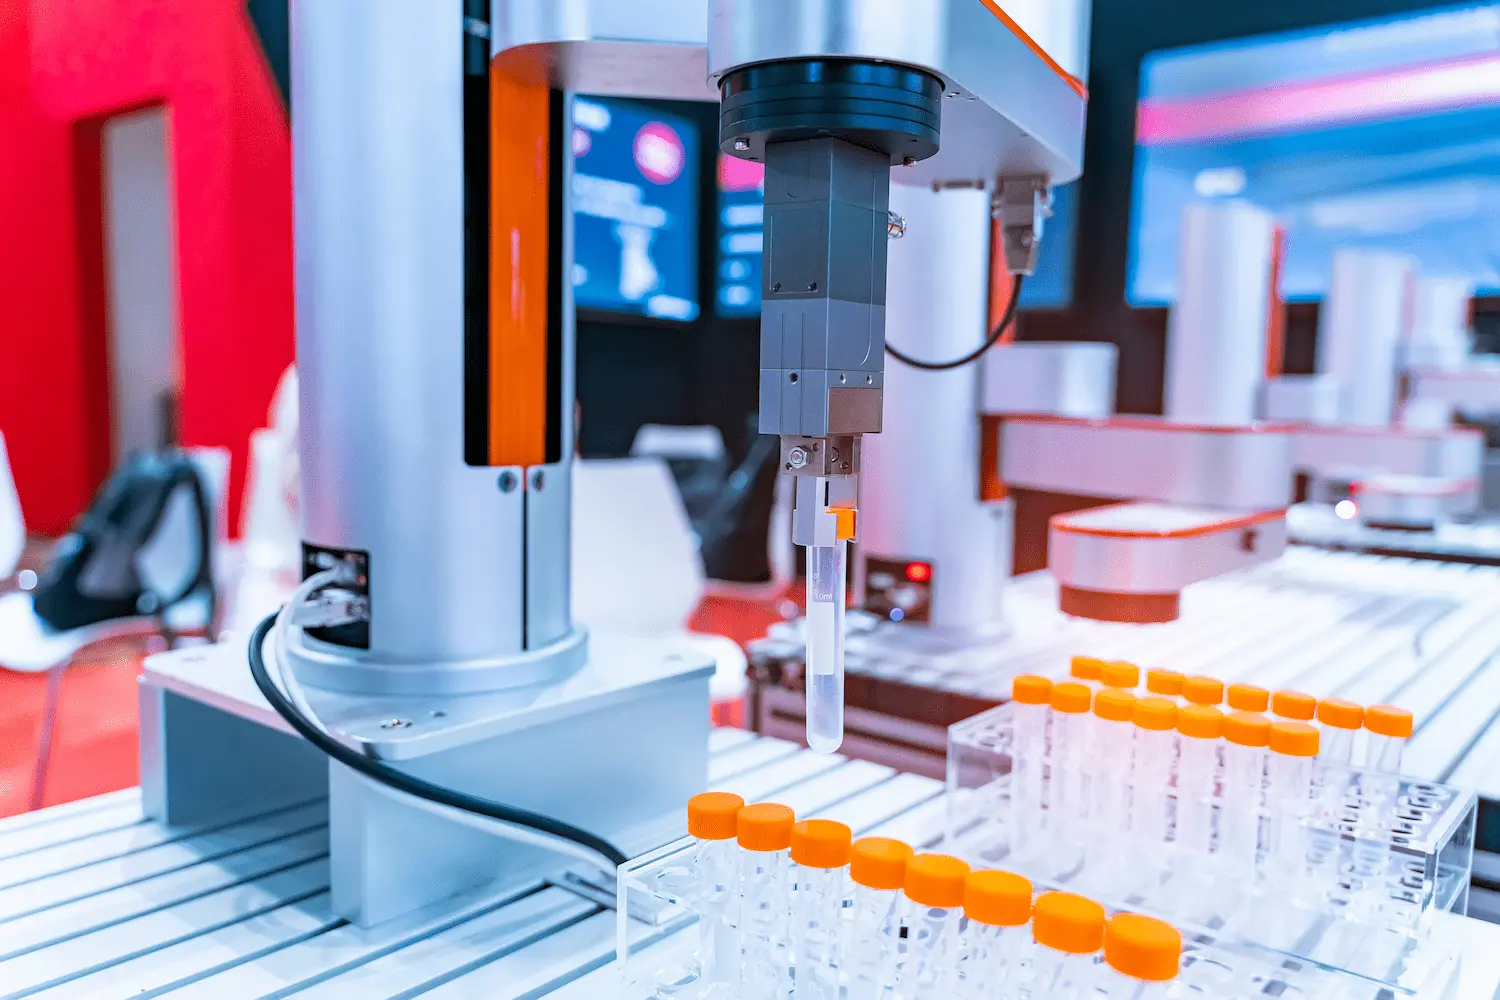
(765, 838)
(1031, 697)
(1390, 729)
(1246, 735)
(820, 855)
(998, 905)
(1200, 728)
(877, 869)
(1069, 931)
(713, 819)
(1110, 759)
(934, 889)
(1142, 956)
(1153, 755)
(1289, 800)
(1067, 810)
(826, 597)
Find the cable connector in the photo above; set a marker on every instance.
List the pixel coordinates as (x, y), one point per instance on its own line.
(335, 607)
(1023, 205)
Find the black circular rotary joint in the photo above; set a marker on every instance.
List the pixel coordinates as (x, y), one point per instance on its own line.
(883, 107)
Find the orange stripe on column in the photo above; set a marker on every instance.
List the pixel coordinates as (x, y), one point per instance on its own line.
(1002, 282)
(1276, 308)
(1078, 86)
(520, 116)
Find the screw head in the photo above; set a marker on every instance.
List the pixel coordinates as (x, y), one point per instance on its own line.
(797, 458)
(396, 724)
(910, 161)
(538, 480)
(776, 287)
(812, 286)
(742, 145)
(508, 482)
(833, 454)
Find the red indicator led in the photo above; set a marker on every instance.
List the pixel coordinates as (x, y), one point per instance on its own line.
(919, 572)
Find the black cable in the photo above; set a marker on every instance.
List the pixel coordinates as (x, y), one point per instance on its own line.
(400, 780)
(978, 352)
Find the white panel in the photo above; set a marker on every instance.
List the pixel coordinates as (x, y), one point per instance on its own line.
(141, 270)
(1060, 380)
(1216, 335)
(1307, 399)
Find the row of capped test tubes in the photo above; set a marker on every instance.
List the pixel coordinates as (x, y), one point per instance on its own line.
(1108, 784)
(804, 911)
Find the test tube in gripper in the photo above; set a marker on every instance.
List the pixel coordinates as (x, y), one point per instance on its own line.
(826, 576)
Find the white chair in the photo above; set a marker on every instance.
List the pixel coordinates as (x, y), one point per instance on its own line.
(12, 524)
(636, 567)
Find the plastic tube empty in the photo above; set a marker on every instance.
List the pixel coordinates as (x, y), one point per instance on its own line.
(1246, 735)
(1153, 751)
(1032, 697)
(826, 597)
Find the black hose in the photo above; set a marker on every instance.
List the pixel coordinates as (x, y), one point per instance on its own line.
(400, 780)
(978, 352)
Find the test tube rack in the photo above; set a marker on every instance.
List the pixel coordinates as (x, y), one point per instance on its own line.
(657, 961)
(1427, 857)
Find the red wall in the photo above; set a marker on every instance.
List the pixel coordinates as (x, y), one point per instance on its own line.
(65, 65)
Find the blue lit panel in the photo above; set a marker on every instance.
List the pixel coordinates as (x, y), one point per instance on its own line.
(1380, 134)
(635, 210)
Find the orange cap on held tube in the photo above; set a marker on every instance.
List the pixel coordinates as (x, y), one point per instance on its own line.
(879, 862)
(714, 815)
(766, 826)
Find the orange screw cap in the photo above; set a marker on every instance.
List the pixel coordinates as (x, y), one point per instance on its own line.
(1142, 948)
(936, 880)
(821, 843)
(1156, 714)
(1068, 923)
(1164, 682)
(1074, 699)
(1248, 698)
(1294, 739)
(1203, 690)
(1086, 668)
(1340, 714)
(999, 899)
(1120, 674)
(766, 826)
(1388, 720)
(714, 815)
(1247, 729)
(1029, 689)
(1294, 705)
(1203, 722)
(1115, 705)
(879, 862)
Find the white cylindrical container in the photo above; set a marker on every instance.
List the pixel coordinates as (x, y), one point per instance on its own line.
(1289, 800)
(1067, 808)
(1069, 931)
(1217, 330)
(1110, 766)
(998, 905)
(936, 308)
(935, 897)
(765, 891)
(1365, 317)
(872, 944)
(1441, 315)
(1030, 698)
(1200, 728)
(820, 856)
(1389, 729)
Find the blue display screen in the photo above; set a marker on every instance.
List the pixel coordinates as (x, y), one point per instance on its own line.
(742, 212)
(1379, 134)
(635, 210)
